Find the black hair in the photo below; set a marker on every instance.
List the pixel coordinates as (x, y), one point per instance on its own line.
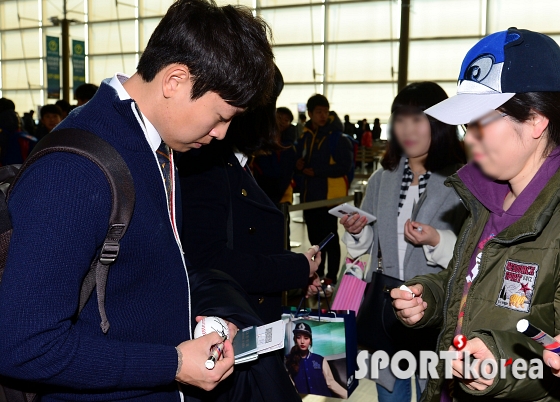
(226, 50)
(53, 109)
(445, 147)
(7, 104)
(256, 129)
(302, 116)
(85, 91)
(317, 100)
(286, 111)
(64, 105)
(294, 358)
(346, 118)
(521, 107)
(336, 121)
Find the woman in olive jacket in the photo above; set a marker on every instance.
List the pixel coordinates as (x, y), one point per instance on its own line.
(506, 263)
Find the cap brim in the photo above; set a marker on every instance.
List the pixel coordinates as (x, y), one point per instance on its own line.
(464, 108)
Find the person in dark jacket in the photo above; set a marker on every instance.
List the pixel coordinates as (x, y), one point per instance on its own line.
(232, 225)
(324, 160)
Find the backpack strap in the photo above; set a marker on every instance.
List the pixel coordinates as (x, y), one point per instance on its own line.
(106, 157)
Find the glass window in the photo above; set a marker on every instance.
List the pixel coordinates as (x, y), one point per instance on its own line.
(296, 25)
(246, 3)
(102, 67)
(104, 10)
(28, 10)
(75, 10)
(272, 3)
(536, 15)
(359, 21)
(25, 100)
(362, 62)
(150, 8)
(437, 59)
(296, 63)
(21, 44)
(362, 101)
(21, 74)
(292, 95)
(112, 37)
(439, 18)
(148, 27)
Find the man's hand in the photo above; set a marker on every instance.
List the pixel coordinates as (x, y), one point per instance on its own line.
(192, 356)
(353, 224)
(308, 172)
(408, 308)
(421, 234)
(478, 350)
(313, 256)
(552, 360)
(300, 164)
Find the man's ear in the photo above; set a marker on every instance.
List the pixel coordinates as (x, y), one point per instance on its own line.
(175, 79)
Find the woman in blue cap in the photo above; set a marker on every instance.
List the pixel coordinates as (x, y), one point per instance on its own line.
(310, 372)
(506, 263)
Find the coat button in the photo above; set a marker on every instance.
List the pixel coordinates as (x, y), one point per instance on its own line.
(261, 300)
(229, 164)
(244, 192)
(252, 230)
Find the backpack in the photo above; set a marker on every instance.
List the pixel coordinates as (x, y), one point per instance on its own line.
(116, 171)
(333, 144)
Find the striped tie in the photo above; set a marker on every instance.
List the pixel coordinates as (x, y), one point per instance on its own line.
(164, 159)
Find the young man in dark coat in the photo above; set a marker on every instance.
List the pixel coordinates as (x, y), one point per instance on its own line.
(192, 80)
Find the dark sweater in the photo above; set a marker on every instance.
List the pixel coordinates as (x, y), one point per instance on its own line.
(60, 211)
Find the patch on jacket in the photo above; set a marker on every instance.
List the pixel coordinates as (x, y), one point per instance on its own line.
(316, 365)
(517, 286)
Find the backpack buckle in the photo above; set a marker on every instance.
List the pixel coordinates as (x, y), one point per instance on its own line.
(109, 252)
(110, 249)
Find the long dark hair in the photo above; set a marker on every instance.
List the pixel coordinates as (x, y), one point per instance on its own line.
(256, 129)
(523, 105)
(293, 359)
(445, 147)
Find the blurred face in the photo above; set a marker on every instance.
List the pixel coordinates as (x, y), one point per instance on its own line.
(303, 342)
(413, 133)
(502, 147)
(283, 121)
(50, 120)
(319, 116)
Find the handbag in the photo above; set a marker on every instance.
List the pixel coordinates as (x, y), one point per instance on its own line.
(330, 365)
(379, 328)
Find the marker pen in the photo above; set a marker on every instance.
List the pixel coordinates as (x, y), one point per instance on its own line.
(217, 351)
(549, 343)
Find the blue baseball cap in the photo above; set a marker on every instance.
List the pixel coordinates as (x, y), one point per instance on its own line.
(495, 69)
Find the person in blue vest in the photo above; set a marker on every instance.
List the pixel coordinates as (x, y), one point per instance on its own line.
(311, 372)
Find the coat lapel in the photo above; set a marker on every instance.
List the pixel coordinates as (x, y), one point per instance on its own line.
(389, 190)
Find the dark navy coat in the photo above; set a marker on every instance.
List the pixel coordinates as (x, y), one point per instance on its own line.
(214, 187)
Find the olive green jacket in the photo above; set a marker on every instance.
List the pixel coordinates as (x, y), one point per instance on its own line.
(533, 239)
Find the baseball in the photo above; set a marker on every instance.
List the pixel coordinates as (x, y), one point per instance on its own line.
(211, 324)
